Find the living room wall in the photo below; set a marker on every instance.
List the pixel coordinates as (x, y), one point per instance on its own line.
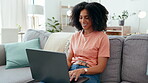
(52, 9)
(117, 6)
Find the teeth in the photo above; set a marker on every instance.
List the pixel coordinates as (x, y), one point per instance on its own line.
(84, 24)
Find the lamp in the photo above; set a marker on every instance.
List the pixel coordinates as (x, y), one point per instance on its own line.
(69, 13)
(35, 11)
(141, 15)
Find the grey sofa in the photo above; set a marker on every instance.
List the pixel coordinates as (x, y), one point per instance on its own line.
(127, 64)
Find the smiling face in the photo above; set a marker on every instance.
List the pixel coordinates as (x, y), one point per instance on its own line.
(85, 20)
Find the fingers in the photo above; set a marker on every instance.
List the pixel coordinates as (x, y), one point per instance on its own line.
(70, 73)
(74, 75)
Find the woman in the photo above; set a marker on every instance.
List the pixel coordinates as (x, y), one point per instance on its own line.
(89, 47)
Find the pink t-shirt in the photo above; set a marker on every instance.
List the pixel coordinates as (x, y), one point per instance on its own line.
(89, 47)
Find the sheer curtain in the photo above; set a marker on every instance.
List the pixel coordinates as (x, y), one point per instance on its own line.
(0, 17)
(13, 12)
(0, 21)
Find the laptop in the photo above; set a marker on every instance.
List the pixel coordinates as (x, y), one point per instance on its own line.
(49, 67)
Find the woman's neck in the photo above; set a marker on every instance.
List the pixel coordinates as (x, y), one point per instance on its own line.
(87, 31)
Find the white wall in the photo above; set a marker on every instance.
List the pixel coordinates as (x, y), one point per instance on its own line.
(52, 8)
(117, 6)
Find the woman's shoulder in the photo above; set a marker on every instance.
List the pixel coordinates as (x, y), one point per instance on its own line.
(77, 33)
(101, 33)
(101, 36)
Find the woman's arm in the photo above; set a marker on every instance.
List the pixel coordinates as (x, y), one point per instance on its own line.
(69, 58)
(98, 68)
(92, 70)
(103, 55)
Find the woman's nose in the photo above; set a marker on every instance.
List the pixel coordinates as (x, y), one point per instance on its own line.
(83, 20)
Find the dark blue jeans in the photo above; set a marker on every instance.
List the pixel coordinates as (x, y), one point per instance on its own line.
(92, 78)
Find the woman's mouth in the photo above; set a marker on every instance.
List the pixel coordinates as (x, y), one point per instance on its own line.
(84, 25)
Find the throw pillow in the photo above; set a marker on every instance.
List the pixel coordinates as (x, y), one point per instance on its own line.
(34, 34)
(16, 53)
(57, 41)
(67, 47)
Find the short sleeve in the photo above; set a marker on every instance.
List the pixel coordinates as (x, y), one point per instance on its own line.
(104, 49)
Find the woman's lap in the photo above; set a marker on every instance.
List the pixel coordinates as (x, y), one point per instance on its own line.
(92, 78)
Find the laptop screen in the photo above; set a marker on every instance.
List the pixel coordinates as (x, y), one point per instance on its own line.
(46, 66)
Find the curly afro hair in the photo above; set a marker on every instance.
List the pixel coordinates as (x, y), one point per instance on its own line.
(96, 12)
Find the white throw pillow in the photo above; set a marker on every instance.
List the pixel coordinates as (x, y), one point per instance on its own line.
(57, 41)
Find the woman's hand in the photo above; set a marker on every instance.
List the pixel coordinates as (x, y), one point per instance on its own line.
(74, 74)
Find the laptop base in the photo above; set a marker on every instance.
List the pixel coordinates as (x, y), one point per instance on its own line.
(80, 80)
(34, 81)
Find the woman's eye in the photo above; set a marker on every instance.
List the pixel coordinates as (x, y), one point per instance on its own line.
(87, 17)
(84, 17)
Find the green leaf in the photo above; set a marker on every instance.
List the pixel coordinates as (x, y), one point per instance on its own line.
(53, 24)
(54, 27)
(57, 31)
(119, 17)
(49, 19)
(56, 20)
(57, 24)
(60, 28)
(53, 18)
(49, 24)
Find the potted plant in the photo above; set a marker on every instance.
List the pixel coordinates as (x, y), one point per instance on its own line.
(121, 17)
(53, 25)
(19, 27)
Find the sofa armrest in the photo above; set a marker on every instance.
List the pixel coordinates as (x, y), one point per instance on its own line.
(2, 55)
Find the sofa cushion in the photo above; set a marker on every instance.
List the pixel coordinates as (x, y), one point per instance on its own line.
(135, 53)
(2, 55)
(17, 75)
(57, 41)
(16, 53)
(33, 34)
(112, 71)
